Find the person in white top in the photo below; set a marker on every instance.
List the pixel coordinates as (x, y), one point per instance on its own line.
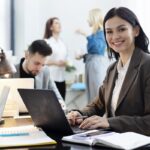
(57, 61)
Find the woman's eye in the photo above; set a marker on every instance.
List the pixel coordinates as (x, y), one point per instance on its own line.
(108, 32)
(122, 29)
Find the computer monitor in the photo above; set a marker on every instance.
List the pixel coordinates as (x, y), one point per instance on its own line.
(3, 97)
(14, 103)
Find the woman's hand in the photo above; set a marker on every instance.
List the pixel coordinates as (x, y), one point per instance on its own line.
(61, 63)
(79, 56)
(79, 31)
(94, 122)
(74, 117)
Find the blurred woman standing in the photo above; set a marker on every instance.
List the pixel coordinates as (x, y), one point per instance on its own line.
(95, 62)
(57, 61)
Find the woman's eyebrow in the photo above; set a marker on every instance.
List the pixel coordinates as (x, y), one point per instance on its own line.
(109, 28)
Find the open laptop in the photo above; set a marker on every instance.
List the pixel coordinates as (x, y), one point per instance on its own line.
(3, 97)
(46, 111)
(14, 103)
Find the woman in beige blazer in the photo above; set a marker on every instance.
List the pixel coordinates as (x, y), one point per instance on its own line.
(123, 103)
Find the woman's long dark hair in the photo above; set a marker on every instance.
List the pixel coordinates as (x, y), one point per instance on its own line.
(49, 23)
(141, 40)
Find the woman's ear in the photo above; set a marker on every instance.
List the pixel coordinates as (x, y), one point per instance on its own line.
(137, 31)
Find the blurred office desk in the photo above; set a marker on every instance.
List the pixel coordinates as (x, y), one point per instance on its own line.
(76, 97)
(10, 122)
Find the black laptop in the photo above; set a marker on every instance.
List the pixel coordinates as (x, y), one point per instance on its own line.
(46, 111)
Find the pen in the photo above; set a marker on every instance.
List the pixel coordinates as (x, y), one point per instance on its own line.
(13, 134)
(97, 132)
(80, 117)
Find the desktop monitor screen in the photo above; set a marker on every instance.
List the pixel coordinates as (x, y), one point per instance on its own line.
(3, 97)
(14, 103)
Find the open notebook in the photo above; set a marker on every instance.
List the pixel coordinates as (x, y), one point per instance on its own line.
(23, 136)
(127, 140)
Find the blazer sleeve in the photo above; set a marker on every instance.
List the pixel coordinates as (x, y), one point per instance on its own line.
(47, 82)
(96, 107)
(52, 86)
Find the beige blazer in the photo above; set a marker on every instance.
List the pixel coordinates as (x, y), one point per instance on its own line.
(133, 108)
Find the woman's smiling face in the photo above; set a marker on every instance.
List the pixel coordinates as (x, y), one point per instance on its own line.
(120, 34)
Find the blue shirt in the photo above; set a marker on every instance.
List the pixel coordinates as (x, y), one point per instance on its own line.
(96, 43)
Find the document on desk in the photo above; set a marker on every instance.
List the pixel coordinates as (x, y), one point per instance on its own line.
(23, 136)
(127, 140)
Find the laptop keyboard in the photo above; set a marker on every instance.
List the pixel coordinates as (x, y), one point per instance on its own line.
(76, 130)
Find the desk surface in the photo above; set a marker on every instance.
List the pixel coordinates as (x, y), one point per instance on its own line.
(10, 122)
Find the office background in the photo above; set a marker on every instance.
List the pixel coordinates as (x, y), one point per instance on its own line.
(22, 21)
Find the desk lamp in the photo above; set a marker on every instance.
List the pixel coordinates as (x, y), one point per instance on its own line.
(6, 69)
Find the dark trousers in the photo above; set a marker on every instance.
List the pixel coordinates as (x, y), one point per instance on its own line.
(61, 86)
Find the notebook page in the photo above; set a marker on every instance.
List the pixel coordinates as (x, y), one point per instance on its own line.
(23, 136)
(128, 140)
(20, 129)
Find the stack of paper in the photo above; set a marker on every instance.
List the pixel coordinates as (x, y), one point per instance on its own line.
(23, 136)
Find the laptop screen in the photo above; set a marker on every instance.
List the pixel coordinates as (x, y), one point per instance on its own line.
(45, 110)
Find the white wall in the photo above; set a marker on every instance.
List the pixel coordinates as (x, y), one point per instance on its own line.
(5, 24)
(31, 16)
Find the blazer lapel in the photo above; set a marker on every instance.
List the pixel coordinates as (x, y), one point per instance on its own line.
(110, 86)
(130, 76)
